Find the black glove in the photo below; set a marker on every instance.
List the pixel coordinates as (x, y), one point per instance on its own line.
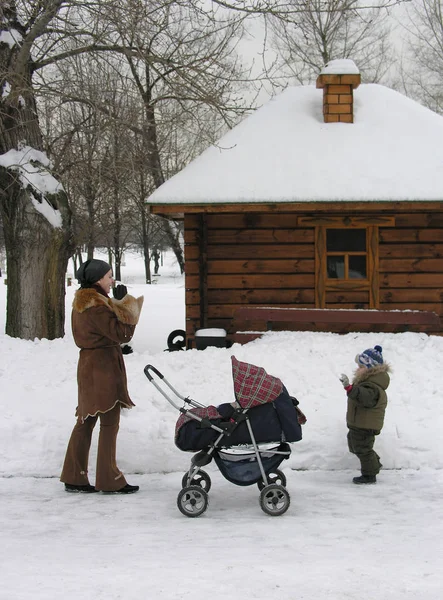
(119, 291)
(127, 349)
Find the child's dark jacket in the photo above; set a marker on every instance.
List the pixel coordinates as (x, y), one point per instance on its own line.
(367, 399)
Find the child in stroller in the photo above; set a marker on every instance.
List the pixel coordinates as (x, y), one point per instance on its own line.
(263, 413)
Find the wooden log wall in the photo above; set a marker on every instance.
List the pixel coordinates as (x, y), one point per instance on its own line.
(411, 263)
(268, 259)
(252, 259)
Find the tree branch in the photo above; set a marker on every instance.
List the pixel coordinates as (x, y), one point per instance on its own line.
(37, 30)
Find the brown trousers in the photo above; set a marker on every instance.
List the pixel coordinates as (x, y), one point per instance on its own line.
(75, 468)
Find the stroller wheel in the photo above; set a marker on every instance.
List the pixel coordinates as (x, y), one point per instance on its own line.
(274, 500)
(192, 501)
(200, 479)
(276, 476)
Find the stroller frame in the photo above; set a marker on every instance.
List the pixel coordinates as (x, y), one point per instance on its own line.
(193, 500)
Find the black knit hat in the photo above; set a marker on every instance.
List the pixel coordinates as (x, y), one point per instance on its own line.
(92, 271)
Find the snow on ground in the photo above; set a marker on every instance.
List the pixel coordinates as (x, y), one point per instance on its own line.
(337, 541)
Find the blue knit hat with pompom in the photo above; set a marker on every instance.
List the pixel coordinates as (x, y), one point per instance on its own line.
(372, 357)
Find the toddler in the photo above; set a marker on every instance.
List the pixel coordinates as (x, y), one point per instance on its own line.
(367, 402)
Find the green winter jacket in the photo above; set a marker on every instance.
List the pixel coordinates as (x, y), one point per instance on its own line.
(367, 399)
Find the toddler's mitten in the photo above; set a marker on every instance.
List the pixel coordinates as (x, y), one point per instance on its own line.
(344, 380)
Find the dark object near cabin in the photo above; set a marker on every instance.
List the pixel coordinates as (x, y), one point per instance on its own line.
(176, 340)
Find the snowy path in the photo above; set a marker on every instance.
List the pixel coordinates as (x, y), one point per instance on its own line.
(337, 541)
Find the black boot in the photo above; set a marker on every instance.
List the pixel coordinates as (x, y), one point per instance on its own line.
(83, 489)
(365, 479)
(128, 489)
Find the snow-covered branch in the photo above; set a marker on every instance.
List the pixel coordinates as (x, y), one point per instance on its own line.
(33, 167)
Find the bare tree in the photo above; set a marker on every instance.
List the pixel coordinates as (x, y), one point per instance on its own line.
(80, 158)
(34, 37)
(183, 57)
(422, 68)
(286, 10)
(329, 30)
(33, 204)
(177, 63)
(118, 173)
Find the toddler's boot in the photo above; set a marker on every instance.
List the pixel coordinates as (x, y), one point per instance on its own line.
(365, 479)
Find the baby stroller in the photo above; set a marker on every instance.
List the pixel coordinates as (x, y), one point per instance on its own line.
(248, 439)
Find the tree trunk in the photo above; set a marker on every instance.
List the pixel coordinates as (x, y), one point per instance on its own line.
(175, 244)
(145, 234)
(37, 224)
(154, 162)
(37, 255)
(117, 226)
(90, 242)
(77, 259)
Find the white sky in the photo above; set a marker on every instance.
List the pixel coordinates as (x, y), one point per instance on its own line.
(284, 152)
(336, 542)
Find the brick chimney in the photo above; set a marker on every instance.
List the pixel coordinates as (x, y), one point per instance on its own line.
(338, 79)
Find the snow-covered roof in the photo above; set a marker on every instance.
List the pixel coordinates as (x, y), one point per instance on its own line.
(284, 152)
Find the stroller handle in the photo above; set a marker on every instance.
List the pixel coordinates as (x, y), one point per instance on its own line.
(156, 371)
(165, 384)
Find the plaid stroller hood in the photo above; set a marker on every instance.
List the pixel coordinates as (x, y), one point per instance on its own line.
(252, 385)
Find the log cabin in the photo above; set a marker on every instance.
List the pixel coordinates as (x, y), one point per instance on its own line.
(323, 211)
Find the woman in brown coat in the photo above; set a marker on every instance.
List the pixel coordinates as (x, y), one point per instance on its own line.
(99, 325)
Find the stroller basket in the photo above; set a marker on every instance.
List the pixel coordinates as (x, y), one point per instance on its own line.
(244, 469)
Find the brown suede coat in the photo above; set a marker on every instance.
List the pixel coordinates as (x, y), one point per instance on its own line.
(99, 325)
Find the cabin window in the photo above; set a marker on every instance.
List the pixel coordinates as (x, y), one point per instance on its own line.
(346, 259)
(346, 254)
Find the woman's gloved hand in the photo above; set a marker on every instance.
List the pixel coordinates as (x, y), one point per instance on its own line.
(119, 291)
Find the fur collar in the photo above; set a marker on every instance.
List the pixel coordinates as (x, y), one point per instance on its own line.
(126, 310)
(88, 298)
(363, 374)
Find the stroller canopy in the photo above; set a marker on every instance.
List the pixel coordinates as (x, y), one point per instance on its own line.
(274, 418)
(252, 385)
